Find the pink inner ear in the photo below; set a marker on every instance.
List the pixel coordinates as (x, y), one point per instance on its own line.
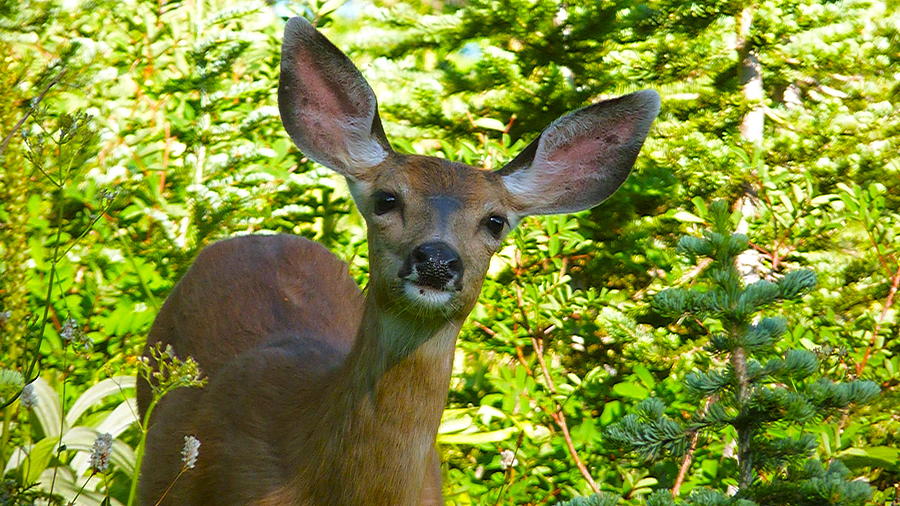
(320, 95)
(588, 146)
(334, 111)
(583, 157)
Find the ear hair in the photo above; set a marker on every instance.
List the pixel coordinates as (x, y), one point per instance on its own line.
(581, 158)
(326, 105)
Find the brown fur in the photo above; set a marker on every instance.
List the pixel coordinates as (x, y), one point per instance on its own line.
(318, 395)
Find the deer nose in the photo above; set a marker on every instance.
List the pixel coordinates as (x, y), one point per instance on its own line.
(436, 264)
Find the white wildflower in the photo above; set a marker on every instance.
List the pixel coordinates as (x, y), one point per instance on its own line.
(508, 459)
(100, 452)
(190, 451)
(109, 195)
(72, 333)
(28, 399)
(69, 330)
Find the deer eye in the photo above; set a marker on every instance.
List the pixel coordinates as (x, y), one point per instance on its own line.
(385, 202)
(495, 224)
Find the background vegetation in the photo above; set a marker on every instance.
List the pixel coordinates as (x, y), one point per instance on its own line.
(136, 132)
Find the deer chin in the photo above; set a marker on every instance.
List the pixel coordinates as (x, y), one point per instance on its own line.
(426, 296)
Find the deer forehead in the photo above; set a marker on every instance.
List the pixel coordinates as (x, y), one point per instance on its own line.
(440, 185)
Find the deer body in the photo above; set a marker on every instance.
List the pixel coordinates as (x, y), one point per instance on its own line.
(250, 433)
(318, 394)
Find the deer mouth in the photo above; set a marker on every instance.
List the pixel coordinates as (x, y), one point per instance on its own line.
(427, 294)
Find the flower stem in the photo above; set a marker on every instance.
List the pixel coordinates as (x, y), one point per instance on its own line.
(139, 452)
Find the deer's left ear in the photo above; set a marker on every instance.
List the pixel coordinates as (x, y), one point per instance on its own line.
(581, 158)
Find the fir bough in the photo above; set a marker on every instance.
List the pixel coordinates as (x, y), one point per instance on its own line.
(755, 388)
(600, 499)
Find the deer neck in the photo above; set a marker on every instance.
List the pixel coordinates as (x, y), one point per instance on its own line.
(384, 408)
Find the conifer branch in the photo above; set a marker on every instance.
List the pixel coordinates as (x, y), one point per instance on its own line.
(759, 389)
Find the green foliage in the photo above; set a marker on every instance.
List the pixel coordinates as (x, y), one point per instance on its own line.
(11, 383)
(173, 141)
(762, 395)
(164, 372)
(601, 499)
(54, 455)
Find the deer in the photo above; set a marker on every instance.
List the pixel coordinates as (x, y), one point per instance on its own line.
(318, 392)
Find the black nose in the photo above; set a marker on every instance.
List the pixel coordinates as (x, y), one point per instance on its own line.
(437, 264)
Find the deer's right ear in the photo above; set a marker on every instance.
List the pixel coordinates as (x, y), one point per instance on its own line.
(326, 105)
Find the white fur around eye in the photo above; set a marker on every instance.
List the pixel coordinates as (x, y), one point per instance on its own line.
(358, 189)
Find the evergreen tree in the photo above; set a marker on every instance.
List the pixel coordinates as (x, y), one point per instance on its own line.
(758, 393)
(823, 162)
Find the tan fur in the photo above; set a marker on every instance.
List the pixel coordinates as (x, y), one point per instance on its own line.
(318, 395)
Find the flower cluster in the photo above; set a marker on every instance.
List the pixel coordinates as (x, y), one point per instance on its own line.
(28, 399)
(72, 333)
(166, 372)
(508, 459)
(190, 451)
(100, 452)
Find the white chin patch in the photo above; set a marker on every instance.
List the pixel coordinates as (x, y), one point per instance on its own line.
(426, 296)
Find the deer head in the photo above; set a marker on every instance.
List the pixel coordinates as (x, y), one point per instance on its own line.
(433, 224)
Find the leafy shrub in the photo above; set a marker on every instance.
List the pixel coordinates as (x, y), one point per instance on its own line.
(183, 146)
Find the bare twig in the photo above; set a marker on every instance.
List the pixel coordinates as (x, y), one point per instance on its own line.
(537, 338)
(560, 418)
(520, 355)
(484, 328)
(35, 102)
(895, 282)
(689, 456)
(744, 434)
(166, 492)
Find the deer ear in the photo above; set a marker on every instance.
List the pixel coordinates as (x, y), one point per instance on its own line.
(581, 158)
(326, 105)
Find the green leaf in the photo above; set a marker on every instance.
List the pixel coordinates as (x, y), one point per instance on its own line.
(612, 410)
(645, 376)
(476, 438)
(47, 409)
(121, 418)
(490, 124)
(874, 456)
(686, 217)
(630, 390)
(39, 458)
(455, 423)
(645, 482)
(94, 396)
